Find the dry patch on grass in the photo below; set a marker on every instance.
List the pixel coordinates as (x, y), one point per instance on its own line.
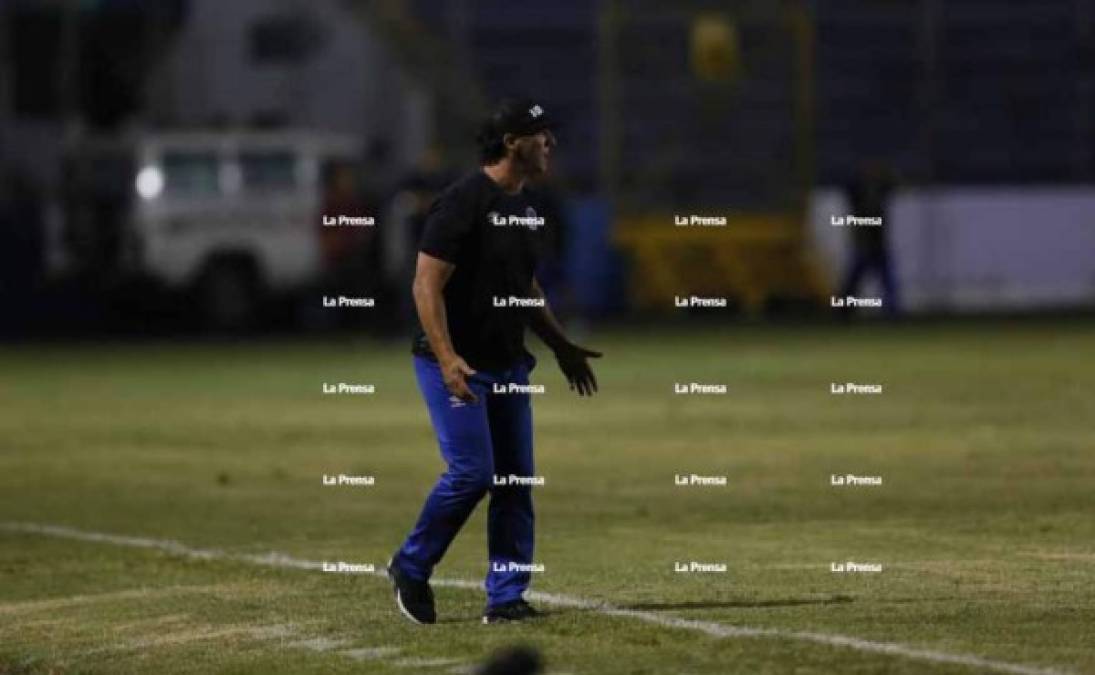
(1063, 556)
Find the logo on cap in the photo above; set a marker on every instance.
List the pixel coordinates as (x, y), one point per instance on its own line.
(536, 111)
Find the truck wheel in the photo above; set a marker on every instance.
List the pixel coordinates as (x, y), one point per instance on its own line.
(228, 297)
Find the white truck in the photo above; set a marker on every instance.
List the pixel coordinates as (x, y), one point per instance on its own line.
(226, 218)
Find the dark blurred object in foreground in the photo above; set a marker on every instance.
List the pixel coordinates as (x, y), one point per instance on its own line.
(513, 661)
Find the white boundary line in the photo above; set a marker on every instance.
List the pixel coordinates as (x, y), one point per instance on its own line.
(710, 628)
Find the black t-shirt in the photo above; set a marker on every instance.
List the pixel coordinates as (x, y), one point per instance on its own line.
(494, 240)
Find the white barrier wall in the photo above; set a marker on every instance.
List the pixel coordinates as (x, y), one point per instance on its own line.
(978, 248)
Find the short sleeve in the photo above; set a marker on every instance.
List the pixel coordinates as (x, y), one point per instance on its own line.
(448, 226)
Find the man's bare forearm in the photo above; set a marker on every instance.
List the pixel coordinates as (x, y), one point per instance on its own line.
(544, 323)
(429, 301)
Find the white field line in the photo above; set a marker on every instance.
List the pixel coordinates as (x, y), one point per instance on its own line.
(425, 663)
(318, 644)
(710, 628)
(72, 601)
(371, 653)
(177, 638)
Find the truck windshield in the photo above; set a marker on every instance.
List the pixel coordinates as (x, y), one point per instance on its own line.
(268, 171)
(188, 173)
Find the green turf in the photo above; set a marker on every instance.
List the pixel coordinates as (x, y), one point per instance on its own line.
(985, 523)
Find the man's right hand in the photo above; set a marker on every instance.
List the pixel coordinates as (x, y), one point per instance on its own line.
(453, 372)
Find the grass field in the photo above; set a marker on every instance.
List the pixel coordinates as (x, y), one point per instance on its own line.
(984, 524)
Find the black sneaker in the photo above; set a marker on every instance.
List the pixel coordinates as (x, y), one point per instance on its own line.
(414, 598)
(515, 610)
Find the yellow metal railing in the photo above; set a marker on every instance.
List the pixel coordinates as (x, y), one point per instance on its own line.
(754, 259)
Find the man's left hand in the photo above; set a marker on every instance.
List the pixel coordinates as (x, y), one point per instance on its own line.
(573, 362)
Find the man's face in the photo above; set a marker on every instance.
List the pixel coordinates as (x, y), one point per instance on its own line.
(533, 153)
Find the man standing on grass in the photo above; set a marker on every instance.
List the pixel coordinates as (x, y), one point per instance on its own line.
(869, 196)
(475, 291)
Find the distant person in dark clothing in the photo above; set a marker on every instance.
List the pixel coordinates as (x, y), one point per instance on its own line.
(342, 247)
(348, 248)
(416, 191)
(868, 198)
(22, 246)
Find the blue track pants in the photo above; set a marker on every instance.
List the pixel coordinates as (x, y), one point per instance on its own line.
(478, 442)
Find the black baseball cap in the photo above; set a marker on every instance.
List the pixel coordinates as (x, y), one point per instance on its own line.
(518, 116)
